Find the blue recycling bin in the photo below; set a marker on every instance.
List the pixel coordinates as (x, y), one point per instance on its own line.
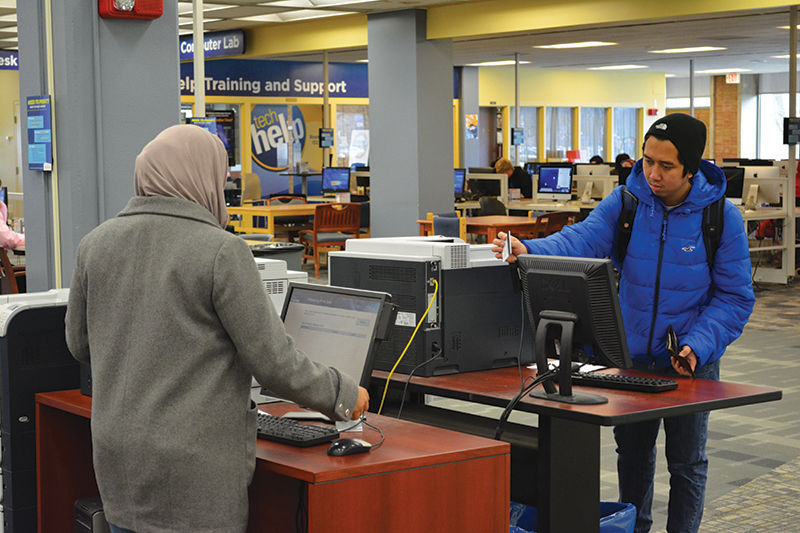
(615, 517)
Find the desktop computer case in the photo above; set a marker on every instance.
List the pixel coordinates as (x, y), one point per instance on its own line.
(33, 358)
(89, 516)
(476, 319)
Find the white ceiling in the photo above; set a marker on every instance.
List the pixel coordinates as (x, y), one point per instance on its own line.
(751, 38)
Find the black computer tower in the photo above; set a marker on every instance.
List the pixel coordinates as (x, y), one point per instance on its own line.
(476, 319)
(33, 358)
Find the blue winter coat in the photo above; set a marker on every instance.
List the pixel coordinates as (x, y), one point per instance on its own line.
(672, 286)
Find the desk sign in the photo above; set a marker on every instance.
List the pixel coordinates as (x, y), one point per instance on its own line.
(326, 137)
(517, 136)
(207, 123)
(791, 130)
(40, 144)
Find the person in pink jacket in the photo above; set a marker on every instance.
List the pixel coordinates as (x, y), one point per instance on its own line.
(9, 239)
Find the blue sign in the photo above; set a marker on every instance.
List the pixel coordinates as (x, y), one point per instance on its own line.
(217, 44)
(269, 131)
(40, 144)
(207, 123)
(243, 77)
(9, 60)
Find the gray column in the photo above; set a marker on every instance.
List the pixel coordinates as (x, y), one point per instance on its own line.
(469, 105)
(411, 122)
(115, 89)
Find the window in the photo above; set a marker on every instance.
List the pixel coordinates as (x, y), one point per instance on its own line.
(773, 109)
(529, 122)
(625, 132)
(351, 119)
(558, 132)
(593, 133)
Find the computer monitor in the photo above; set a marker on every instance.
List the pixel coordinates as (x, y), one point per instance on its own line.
(623, 174)
(761, 172)
(555, 183)
(734, 176)
(761, 192)
(338, 327)
(4, 195)
(459, 178)
(592, 170)
(233, 197)
(335, 179)
(573, 301)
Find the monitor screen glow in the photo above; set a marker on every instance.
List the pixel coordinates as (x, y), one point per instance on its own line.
(555, 183)
(459, 175)
(335, 179)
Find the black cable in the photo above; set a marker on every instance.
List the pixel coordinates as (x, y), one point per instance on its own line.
(521, 337)
(383, 437)
(410, 374)
(514, 401)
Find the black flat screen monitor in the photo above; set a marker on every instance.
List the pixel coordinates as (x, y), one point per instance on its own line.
(338, 327)
(459, 175)
(555, 183)
(623, 174)
(573, 301)
(335, 179)
(532, 168)
(734, 176)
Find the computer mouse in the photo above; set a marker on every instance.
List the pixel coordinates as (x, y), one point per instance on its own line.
(348, 446)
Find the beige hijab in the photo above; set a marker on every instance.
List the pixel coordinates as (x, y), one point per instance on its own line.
(188, 162)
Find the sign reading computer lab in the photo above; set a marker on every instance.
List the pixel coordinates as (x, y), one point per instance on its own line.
(217, 44)
(9, 60)
(242, 77)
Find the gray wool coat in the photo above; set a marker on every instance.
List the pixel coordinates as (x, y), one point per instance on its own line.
(170, 311)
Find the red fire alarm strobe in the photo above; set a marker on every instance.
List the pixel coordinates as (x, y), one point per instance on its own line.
(652, 112)
(131, 9)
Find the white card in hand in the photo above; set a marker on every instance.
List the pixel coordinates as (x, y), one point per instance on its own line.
(507, 247)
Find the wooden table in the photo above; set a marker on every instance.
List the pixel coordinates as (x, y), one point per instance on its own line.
(488, 226)
(568, 473)
(421, 479)
(269, 212)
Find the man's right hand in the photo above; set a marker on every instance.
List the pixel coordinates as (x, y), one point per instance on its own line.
(517, 248)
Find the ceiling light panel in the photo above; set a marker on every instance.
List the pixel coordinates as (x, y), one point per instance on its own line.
(584, 44)
(689, 50)
(503, 63)
(619, 67)
(722, 70)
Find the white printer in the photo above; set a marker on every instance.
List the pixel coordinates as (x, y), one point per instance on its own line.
(276, 277)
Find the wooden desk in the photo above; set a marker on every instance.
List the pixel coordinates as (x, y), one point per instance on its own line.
(421, 479)
(488, 226)
(269, 212)
(568, 484)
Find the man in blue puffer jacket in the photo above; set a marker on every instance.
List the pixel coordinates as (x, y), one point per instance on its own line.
(666, 281)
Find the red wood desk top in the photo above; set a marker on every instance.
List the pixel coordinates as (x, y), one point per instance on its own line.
(498, 386)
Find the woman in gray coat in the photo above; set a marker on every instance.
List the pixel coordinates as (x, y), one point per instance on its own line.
(169, 310)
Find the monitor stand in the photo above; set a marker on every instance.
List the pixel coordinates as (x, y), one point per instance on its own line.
(566, 323)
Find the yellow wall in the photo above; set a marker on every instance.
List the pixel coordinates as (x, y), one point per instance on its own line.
(566, 88)
(9, 94)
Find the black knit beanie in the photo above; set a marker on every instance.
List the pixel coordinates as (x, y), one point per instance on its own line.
(687, 134)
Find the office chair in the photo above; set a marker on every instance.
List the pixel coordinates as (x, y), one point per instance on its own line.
(491, 206)
(549, 223)
(334, 223)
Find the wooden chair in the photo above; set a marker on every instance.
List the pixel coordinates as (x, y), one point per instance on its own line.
(332, 224)
(549, 223)
(9, 274)
(449, 225)
(290, 226)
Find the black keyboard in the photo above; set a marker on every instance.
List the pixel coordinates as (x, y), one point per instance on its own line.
(292, 432)
(617, 381)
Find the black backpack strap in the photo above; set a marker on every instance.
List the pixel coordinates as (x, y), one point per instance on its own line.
(713, 221)
(625, 223)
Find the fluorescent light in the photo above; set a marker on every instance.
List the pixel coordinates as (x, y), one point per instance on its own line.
(722, 71)
(585, 44)
(787, 27)
(618, 67)
(305, 14)
(784, 57)
(687, 50)
(362, 60)
(497, 63)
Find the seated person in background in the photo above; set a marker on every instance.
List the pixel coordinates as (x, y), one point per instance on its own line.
(9, 239)
(517, 177)
(596, 160)
(174, 343)
(622, 160)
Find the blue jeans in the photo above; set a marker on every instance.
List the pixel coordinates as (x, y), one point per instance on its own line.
(115, 529)
(686, 461)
